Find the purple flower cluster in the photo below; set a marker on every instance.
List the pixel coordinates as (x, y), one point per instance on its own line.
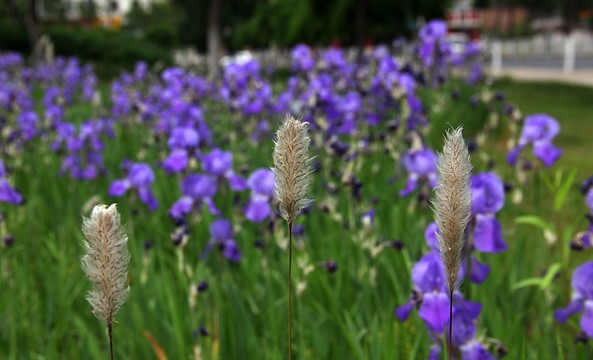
(431, 297)
(430, 293)
(83, 159)
(244, 89)
(338, 96)
(538, 130)
(434, 51)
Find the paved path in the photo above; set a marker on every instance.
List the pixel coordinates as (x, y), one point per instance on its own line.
(579, 76)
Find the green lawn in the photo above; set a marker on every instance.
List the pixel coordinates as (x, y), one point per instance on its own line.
(571, 105)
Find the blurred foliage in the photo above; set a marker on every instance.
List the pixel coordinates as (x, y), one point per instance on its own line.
(13, 36)
(102, 45)
(259, 23)
(159, 24)
(288, 22)
(251, 23)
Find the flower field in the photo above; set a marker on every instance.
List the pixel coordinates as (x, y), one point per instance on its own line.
(188, 161)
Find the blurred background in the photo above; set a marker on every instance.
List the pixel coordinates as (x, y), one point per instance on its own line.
(115, 34)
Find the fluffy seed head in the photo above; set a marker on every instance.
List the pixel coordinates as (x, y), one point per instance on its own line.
(106, 261)
(452, 202)
(291, 167)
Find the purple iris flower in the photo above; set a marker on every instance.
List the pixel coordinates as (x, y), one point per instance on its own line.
(583, 240)
(463, 338)
(8, 193)
(487, 193)
(589, 200)
(219, 163)
(434, 31)
(476, 72)
(471, 50)
(84, 159)
(243, 88)
(474, 350)
(334, 58)
(487, 199)
(182, 140)
(82, 167)
(368, 218)
(302, 58)
(582, 298)
(54, 114)
(183, 137)
(430, 292)
(420, 164)
(431, 36)
(430, 235)
(477, 272)
(196, 189)
(488, 234)
(51, 96)
(176, 161)
(27, 121)
(407, 82)
(140, 177)
(539, 130)
(221, 233)
(261, 183)
(64, 133)
(463, 341)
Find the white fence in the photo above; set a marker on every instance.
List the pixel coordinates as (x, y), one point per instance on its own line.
(567, 50)
(553, 44)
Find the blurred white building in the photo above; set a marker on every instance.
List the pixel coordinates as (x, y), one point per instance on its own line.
(107, 11)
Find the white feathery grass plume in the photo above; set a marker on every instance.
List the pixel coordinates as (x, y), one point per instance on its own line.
(291, 167)
(105, 263)
(452, 202)
(291, 182)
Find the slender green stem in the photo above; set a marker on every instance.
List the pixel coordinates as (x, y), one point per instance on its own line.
(449, 348)
(289, 289)
(109, 326)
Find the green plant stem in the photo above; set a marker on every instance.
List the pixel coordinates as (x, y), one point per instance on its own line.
(289, 289)
(109, 330)
(450, 350)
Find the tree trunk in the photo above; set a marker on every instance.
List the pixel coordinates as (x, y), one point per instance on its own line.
(569, 15)
(31, 23)
(213, 36)
(360, 27)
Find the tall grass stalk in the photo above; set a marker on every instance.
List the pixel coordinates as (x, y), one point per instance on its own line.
(291, 182)
(105, 263)
(451, 204)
